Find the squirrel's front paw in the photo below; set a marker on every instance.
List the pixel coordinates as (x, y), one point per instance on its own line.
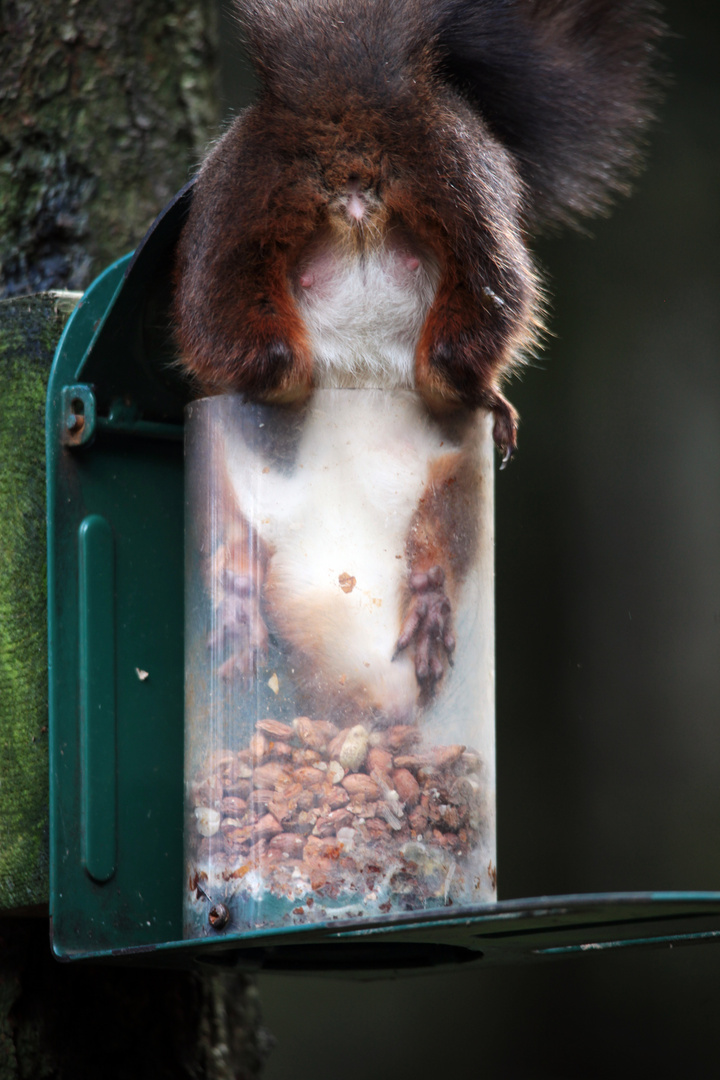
(240, 632)
(459, 376)
(505, 426)
(428, 626)
(259, 350)
(268, 370)
(271, 369)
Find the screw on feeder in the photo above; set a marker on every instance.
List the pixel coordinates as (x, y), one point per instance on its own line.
(78, 412)
(75, 420)
(218, 916)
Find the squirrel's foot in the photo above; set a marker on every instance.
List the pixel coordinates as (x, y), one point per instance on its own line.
(428, 626)
(505, 427)
(240, 629)
(453, 374)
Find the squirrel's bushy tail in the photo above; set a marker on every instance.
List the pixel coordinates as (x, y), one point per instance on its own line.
(566, 85)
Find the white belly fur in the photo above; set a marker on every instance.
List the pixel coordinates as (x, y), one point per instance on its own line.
(345, 509)
(344, 512)
(364, 312)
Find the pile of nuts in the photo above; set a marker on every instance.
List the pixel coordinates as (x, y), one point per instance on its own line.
(329, 819)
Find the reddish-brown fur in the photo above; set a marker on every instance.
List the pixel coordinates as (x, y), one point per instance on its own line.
(462, 126)
(440, 548)
(444, 530)
(435, 107)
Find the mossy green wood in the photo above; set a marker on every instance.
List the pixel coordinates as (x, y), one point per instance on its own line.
(29, 330)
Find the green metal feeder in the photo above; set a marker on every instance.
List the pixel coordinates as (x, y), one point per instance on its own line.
(116, 581)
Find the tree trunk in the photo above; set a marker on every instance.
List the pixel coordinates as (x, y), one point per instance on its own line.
(73, 1022)
(105, 107)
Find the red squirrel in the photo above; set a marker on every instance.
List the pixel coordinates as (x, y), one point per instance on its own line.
(365, 224)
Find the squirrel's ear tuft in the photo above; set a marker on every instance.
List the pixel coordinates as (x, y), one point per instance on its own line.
(568, 86)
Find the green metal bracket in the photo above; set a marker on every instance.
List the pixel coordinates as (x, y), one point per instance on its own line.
(115, 623)
(115, 593)
(115, 610)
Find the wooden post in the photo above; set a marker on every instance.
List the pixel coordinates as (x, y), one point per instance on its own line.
(29, 329)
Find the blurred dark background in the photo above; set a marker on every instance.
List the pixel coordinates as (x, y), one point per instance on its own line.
(608, 622)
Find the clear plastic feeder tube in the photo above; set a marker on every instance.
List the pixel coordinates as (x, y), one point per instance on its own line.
(339, 660)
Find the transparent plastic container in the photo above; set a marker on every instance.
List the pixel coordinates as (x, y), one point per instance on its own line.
(339, 747)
